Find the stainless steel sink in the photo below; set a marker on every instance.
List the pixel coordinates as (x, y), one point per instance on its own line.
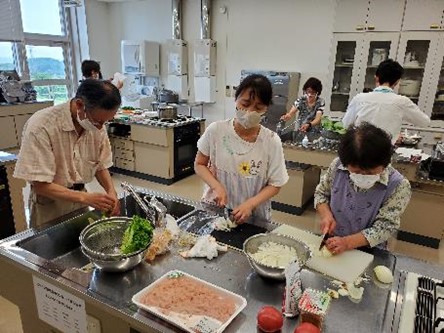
(60, 244)
(58, 247)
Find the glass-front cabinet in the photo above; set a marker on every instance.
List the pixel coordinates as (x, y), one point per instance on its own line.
(354, 62)
(435, 95)
(416, 54)
(377, 47)
(344, 63)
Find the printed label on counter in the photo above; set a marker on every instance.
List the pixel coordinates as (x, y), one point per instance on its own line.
(59, 308)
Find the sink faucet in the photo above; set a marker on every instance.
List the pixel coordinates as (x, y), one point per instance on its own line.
(151, 212)
(280, 128)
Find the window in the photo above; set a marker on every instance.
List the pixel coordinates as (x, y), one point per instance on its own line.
(42, 17)
(47, 49)
(6, 56)
(45, 62)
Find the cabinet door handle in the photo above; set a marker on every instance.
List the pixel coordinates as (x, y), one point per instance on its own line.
(434, 26)
(359, 27)
(371, 27)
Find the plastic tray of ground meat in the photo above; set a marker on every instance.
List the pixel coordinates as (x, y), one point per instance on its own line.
(190, 303)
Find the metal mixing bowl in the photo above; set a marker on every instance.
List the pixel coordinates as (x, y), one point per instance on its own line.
(101, 243)
(252, 244)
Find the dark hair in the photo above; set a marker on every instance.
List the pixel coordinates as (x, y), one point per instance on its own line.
(88, 66)
(365, 146)
(99, 94)
(314, 84)
(260, 86)
(389, 71)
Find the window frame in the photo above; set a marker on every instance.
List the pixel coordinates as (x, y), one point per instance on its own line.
(64, 41)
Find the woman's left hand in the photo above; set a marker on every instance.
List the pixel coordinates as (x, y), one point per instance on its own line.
(242, 212)
(337, 245)
(304, 127)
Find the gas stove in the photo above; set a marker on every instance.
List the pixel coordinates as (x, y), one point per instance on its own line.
(181, 120)
(421, 305)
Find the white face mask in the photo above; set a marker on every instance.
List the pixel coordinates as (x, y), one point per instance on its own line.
(364, 181)
(248, 119)
(86, 124)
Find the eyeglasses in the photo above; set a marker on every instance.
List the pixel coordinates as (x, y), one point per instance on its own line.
(98, 124)
(311, 94)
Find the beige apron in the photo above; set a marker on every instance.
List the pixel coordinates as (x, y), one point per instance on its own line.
(44, 209)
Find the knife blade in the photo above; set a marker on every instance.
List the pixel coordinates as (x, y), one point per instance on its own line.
(324, 238)
(227, 213)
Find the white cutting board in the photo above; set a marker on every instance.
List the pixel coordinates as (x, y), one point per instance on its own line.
(346, 267)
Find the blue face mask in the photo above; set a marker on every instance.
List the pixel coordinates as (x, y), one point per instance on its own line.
(248, 119)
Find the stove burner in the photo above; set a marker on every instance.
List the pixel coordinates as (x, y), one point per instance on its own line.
(425, 306)
(426, 284)
(423, 325)
(180, 120)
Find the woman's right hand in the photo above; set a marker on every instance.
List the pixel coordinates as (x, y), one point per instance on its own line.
(286, 116)
(220, 195)
(100, 201)
(328, 224)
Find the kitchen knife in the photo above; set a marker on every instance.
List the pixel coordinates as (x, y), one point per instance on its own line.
(324, 238)
(227, 213)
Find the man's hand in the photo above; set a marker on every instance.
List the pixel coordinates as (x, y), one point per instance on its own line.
(100, 201)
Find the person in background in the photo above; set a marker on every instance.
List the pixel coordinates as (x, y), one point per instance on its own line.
(241, 161)
(310, 107)
(91, 70)
(383, 107)
(361, 197)
(63, 148)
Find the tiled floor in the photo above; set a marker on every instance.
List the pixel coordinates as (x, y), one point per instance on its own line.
(191, 188)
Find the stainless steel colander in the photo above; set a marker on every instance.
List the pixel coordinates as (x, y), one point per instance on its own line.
(101, 243)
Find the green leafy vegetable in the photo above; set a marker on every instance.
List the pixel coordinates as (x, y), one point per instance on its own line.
(137, 236)
(331, 125)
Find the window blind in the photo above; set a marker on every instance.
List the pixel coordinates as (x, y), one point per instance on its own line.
(11, 28)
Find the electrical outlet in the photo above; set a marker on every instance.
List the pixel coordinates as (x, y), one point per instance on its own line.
(93, 324)
(227, 91)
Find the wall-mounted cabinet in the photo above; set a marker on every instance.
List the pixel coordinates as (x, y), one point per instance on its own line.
(353, 64)
(417, 54)
(368, 15)
(431, 15)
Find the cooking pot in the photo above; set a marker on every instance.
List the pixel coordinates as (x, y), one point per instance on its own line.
(168, 96)
(167, 111)
(409, 87)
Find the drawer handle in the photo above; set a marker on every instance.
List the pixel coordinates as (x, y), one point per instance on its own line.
(434, 26)
(360, 27)
(371, 27)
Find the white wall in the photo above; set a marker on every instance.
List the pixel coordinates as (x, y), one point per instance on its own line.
(99, 32)
(289, 35)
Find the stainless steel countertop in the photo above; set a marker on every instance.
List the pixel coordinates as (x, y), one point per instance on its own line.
(231, 271)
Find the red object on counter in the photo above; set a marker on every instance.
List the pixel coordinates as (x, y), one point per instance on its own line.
(269, 319)
(307, 328)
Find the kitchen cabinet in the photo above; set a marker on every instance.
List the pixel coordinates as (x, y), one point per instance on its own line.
(434, 103)
(425, 205)
(422, 53)
(430, 18)
(294, 196)
(123, 152)
(12, 120)
(353, 64)
(368, 15)
(416, 54)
